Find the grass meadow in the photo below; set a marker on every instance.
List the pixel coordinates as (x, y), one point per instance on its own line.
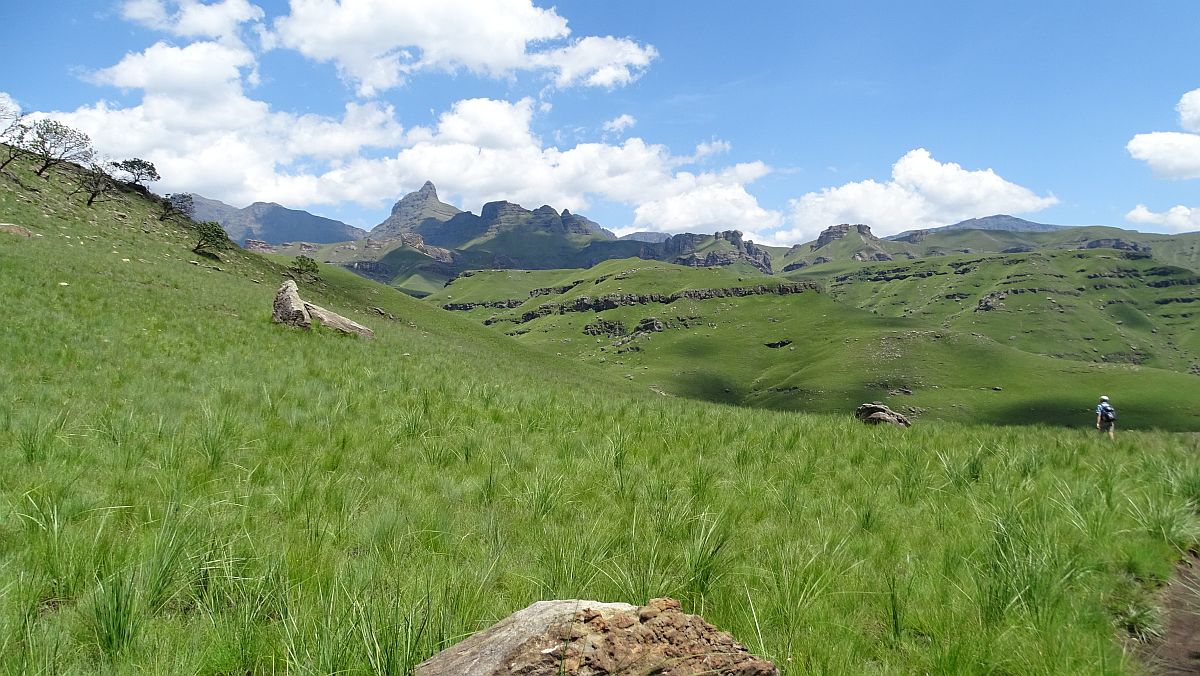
(188, 488)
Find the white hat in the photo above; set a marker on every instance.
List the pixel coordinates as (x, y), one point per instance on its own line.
(1104, 397)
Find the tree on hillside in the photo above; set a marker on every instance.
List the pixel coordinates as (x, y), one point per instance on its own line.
(53, 143)
(139, 171)
(14, 138)
(95, 182)
(305, 268)
(13, 132)
(178, 204)
(210, 237)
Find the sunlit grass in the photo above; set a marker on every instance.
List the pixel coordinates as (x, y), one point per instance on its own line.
(187, 488)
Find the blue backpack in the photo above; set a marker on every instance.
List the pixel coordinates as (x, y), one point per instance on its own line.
(1107, 412)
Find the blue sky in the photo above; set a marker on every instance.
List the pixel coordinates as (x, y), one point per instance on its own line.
(776, 118)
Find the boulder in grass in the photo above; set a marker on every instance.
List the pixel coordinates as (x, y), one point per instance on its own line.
(876, 413)
(577, 638)
(335, 321)
(293, 310)
(15, 230)
(289, 308)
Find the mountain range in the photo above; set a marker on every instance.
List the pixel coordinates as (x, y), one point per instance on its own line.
(425, 242)
(271, 223)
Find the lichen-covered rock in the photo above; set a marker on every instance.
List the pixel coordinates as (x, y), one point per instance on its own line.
(587, 638)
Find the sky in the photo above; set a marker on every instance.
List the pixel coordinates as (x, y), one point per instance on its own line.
(775, 118)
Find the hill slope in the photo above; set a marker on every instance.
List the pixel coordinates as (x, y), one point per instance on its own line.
(709, 334)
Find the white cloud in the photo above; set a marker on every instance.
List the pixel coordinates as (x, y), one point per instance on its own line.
(192, 18)
(1170, 154)
(710, 148)
(1189, 111)
(709, 202)
(597, 61)
(199, 70)
(376, 44)
(922, 193)
(1173, 154)
(1175, 219)
(620, 123)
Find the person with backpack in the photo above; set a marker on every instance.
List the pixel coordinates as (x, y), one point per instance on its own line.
(1106, 417)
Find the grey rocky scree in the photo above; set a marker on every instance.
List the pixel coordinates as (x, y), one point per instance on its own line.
(292, 310)
(588, 638)
(876, 413)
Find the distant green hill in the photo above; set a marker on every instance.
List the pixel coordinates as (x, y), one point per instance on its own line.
(909, 336)
(272, 223)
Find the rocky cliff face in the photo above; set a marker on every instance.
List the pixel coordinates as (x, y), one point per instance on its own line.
(836, 232)
(682, 249)
(413, 210)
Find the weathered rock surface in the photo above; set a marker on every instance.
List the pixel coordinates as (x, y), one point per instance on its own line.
(581, 638)
(292, 310)
(991, 301)
(876, 413)
(836, 232)
(683, 248)
(337, 322)
(289, 308)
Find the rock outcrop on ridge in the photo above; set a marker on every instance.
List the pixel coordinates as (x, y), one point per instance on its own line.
(413, 210)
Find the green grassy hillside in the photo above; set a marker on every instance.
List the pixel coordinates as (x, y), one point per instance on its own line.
(188, 488)
(1088, 305)
(914, 343)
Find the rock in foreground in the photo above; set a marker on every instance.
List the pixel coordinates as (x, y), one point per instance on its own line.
(876, 413)
(586, 638)
(292, 310)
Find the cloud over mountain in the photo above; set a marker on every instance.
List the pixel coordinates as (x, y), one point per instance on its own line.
(921, 193)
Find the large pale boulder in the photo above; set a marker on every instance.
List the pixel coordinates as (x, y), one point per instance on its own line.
(292, 310)
(289, 308)
(588, 638)
(335, 321)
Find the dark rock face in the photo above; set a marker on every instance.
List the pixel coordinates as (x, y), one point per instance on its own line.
(778, 344)
(876, 413)
(578, 638)
(804, 264)
(878, 256)
(682, 248)
(1115, 243)
(836, 232)
(615, 300)
(604, 327)
(414, 210)
(462, 307)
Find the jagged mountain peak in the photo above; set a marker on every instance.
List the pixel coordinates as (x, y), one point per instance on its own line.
(415, 209)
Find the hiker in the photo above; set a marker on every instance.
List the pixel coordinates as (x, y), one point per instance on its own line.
(1106, 417)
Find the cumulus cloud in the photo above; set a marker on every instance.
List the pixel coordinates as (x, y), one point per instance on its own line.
(376, 44)
(922, 193)
(196, 122)
(1175, 219)
(620, 123)
(192, 18)
(1173, 154)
